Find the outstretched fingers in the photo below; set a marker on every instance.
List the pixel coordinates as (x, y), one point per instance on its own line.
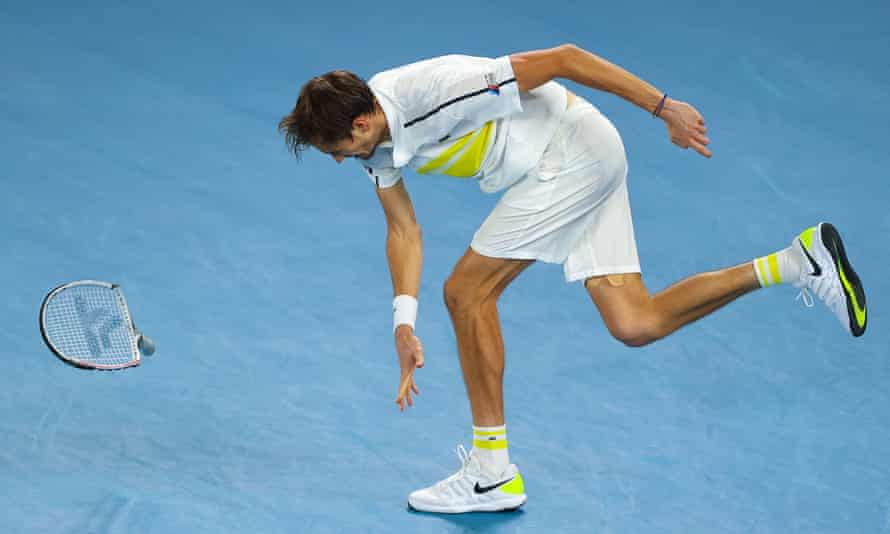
(406, 386)
(687, 129)
(699, 144)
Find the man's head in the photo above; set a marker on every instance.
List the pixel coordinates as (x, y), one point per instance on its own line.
(337, 114)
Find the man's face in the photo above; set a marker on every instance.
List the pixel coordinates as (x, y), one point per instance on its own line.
(361, 145)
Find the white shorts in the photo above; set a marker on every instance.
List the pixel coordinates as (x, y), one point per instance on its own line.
(573, 208)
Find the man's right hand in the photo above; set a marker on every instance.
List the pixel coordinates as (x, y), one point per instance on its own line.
(410, 357)
(686, 126)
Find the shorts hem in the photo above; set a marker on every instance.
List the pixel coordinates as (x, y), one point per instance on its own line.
(488, 253)
(580, 276)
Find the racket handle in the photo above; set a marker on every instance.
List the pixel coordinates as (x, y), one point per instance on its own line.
(146, 345)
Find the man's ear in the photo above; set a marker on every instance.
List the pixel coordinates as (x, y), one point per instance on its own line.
(361, 123)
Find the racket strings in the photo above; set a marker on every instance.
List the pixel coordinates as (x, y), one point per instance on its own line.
(88, 325)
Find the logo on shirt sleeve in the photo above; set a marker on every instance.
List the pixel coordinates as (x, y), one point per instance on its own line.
(492, 84)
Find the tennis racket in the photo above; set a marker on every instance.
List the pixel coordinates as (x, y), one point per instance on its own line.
(87, 324)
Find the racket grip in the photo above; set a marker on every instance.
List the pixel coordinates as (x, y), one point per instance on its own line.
(146, 345)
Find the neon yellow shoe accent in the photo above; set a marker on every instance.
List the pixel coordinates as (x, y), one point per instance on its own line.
(515, 486)
(848, 287)
(806, 237)
(490, 445)
(774, 269)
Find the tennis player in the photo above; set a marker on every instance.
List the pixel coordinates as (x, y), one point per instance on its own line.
(561, 167)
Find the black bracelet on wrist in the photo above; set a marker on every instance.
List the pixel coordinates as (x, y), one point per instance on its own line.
(660, 106)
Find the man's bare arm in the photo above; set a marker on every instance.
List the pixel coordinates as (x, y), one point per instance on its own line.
(404, 245)
(404, 250)
(537, 67)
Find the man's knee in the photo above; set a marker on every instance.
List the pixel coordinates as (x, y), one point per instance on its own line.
(627, 309)
(637, 330)
(459, 295)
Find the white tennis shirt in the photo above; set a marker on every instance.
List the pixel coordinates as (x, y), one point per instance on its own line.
(464, 117)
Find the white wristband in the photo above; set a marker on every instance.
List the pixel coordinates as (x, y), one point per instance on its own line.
(404, 311)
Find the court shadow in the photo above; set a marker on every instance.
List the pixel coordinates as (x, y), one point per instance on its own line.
(476, 521)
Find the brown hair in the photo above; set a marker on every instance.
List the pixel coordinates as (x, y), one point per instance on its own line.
(325, 109)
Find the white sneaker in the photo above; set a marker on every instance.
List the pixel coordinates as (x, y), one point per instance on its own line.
(827, 272)
(471, 490)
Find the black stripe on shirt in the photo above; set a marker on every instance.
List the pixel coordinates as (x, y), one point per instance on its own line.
(439, 108)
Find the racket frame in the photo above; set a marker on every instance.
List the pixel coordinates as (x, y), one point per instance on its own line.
(128, 321)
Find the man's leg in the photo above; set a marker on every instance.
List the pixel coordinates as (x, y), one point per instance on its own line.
(487, 482)
(637, 318)
(471, 294)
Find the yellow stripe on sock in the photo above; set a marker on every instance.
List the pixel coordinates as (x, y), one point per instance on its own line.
(489, 432)
(761, 272)
(490, 445)
(774, 268)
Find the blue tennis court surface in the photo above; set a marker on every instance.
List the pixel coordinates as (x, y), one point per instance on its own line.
(139, 146)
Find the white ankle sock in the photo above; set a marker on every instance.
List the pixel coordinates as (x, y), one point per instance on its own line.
(779, 267)
(490, 447)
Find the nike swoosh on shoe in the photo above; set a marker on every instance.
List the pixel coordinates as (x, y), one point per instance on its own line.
(817, 270)
(485, 489)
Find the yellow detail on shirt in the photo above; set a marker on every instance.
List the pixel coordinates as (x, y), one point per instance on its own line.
(465, 155)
